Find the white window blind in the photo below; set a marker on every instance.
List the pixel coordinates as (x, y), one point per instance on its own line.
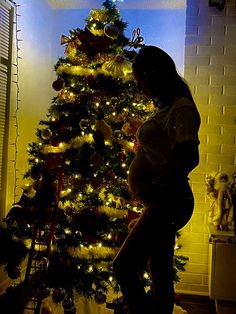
(6, 31)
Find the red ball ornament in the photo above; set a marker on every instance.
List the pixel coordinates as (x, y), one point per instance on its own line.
(95, 182)
(110, 175)
(122, 156)
(90, 80)
(58, 84)
(96, 159)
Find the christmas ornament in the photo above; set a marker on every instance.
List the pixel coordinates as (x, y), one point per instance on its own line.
(94, 29)
(92, 44)
(85, 124)
(96, 182)
(91, 80)
(119, 67)
(45, 310)
(58, 295)
(71, 50)
(111, 31)
(122, 156)
(69, 306)
(100, 298)
(66, 40)
(99, 15)
(136, 40)
(46, 134)
(99, 140)
(72, 44)
(110, 175)
(96, 159)
(13, 272)
(131, 126)
(104, 128)
(58, 84)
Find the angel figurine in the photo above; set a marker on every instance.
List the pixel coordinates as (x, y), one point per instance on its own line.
(221, 209)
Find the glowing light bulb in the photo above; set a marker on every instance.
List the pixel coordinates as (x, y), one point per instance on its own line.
(145, 275)
(36, 160)
(110, 278)
(109, 236)
(123, 165)
(90, 269)
(67, 231)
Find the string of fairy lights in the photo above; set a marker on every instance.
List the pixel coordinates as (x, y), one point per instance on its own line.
(17, 96)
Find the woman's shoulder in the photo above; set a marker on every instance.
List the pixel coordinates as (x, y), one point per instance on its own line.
(183, 101)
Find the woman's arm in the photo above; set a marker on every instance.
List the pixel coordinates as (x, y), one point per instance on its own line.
(184, 158)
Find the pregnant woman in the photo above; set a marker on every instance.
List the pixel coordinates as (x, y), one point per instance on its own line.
(158, 178)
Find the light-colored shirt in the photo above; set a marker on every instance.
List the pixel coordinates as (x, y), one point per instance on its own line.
(158, 136)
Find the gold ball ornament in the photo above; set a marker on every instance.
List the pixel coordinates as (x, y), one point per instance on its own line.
(111, 31)
(46, 134)
(85, 124)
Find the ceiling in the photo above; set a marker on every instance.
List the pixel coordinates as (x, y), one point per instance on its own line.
(122, 4)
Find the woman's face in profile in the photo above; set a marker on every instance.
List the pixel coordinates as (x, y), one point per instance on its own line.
(146, 83)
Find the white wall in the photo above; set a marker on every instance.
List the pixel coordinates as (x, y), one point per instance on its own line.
(210, 68)
(36, 73)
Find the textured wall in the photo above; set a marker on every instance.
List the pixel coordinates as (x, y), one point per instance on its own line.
(210, 69)
(35, 77)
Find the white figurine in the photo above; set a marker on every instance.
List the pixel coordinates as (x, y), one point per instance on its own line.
(221, 210)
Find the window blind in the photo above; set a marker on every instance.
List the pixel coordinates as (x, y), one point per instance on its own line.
(6, 32)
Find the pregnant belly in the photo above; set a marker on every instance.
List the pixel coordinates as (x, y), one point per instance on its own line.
(141, 173)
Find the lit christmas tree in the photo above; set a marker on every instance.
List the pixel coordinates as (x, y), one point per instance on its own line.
(77, 179)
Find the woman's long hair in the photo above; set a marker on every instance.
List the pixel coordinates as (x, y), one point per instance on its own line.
(158, 70)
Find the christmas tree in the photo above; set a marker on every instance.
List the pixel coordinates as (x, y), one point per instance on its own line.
(80, 161)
